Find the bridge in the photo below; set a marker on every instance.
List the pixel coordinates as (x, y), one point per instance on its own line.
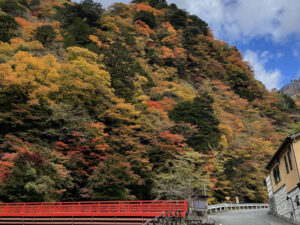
(79, 213)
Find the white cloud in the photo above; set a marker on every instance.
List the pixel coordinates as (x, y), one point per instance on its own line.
(266, 55)
(279, 55)
(246, 19)
(270, 78)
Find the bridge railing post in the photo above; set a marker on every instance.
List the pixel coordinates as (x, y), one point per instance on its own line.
(23, 210)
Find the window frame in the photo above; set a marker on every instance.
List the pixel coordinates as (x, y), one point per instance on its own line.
(290, 160)
(286, 165)
(276, 174)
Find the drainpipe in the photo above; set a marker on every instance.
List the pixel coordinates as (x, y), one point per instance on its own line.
(296, 165)
(293, 209)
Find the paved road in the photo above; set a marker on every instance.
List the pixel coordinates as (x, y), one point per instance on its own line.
(247, 217)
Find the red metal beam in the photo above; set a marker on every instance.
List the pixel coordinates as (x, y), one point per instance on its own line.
(105, 208)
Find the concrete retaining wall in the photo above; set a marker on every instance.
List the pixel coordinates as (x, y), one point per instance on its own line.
(292, 195)
(280, 204)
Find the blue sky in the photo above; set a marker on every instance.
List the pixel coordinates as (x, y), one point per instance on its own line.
(267, 32)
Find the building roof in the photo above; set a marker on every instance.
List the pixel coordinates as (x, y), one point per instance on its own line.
(286, 141)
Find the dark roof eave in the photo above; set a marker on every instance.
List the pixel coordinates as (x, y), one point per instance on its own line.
(277, 153)
(284, 143)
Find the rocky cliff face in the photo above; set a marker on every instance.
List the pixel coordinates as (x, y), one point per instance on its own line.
(292, 88)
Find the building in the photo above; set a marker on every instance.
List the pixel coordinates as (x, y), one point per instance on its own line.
(283, 181)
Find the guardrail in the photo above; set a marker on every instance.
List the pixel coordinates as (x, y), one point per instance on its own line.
(225, 207)
(103, 208)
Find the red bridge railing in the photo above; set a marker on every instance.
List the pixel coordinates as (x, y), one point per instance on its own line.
(105, 208)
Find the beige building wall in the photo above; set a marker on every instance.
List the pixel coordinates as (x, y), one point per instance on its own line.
(289, 179)
(296, 146)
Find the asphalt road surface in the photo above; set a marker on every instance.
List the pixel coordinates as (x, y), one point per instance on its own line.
(247, 217)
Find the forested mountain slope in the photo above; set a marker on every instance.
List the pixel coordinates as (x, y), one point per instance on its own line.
(138, 101)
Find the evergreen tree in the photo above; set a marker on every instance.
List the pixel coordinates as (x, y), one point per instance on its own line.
(87, 11)
(120, 66)
(45, 34)
(12, 7)
(8, 25)
(147, 17)
(199, 112)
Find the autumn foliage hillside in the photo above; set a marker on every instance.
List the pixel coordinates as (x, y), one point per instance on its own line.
(138, 101)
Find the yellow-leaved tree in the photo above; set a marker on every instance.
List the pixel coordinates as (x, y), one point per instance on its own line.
(31, 78)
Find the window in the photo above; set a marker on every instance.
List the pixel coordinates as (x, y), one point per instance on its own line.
(290, 161)
(276, 174)
(297, 200)
(286, 165)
